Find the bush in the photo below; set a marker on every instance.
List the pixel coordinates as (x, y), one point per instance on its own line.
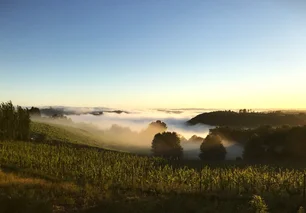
(258, 205)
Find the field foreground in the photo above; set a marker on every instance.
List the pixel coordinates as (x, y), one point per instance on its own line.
(67, 177)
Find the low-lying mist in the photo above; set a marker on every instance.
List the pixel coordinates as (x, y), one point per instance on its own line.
(129, 130)
(138, 120)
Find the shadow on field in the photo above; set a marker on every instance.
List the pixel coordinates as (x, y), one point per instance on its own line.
(195, 203)
(191, 204)
(23, 205)
(166, 204)
(20, 194)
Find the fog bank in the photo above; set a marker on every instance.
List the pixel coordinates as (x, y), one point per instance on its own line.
(135, 121)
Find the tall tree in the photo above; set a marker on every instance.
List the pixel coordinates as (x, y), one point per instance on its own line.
(167, 144)
(14, 124)
(34, 111)
(23, 125)
(212, 148)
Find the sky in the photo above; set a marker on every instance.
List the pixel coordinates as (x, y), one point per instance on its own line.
(154, 53)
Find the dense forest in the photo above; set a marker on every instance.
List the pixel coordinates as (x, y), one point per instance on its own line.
(266, 142)
(248, 118)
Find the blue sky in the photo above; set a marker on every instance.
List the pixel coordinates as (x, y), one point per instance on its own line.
(154, 53)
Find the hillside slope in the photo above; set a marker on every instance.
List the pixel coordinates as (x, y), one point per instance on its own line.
(74, 133)
(65, 133)
(248, 119)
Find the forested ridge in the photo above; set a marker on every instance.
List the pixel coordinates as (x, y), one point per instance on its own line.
(245, 118)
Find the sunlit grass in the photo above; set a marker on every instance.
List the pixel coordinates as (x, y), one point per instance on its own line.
(66, 133)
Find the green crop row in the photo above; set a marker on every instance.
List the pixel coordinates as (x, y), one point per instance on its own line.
(108, 169)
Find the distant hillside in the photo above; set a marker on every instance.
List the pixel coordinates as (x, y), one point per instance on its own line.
(248, 119)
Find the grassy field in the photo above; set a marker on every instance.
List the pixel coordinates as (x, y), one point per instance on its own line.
(68, 177)
(67, 133)
(77, 133)
(21, 194)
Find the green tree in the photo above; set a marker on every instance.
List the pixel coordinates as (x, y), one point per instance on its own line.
(212, 148)
(8, 120)
(167, 144)
(23, 124)
(14, 124)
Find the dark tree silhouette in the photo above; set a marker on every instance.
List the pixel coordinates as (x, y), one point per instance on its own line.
(34, 111)
(22, 124)
(212, 148)
(52, 111)
(282, 143)
(62, 118)
(158, 126)
(167, 144)
(295, 146)
(254, 149)
(14, 124)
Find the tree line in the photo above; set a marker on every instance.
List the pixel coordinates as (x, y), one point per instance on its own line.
(264, 143)
(277, 144)
(14, 122)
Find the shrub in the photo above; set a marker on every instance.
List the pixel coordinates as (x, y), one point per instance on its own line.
(258, 205)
